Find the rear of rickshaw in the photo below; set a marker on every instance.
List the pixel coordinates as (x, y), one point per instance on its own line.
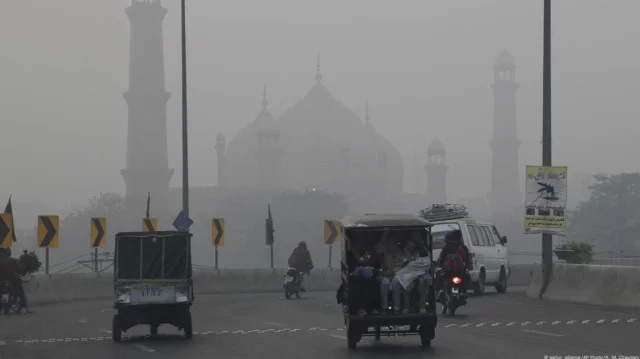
(369, 244)
(152, 281)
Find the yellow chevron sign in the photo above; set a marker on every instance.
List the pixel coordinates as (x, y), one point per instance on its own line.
(149, 224)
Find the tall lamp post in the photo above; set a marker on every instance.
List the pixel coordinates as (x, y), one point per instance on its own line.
(185, 146)
(547, 239)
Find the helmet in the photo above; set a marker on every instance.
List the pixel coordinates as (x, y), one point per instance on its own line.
(454, 236)
(302, 245)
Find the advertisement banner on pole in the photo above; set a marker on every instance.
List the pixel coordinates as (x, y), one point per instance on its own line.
(545, 200)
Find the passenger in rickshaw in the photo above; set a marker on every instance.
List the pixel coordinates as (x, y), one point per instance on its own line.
(395, 255)
(364, 281)
(406, 262)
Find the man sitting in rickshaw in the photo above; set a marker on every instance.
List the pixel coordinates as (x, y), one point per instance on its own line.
(396, 255)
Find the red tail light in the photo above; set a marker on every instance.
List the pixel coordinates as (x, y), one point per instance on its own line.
(456, 280)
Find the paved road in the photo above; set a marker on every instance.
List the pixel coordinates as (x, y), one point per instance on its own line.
(268, 326)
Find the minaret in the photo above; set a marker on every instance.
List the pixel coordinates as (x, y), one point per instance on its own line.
(505, 194)
(147, 154)
(222, 173)
(436, 169)
(269, 153)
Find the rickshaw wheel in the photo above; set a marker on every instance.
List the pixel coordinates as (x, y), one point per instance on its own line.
(352, 337)
(188, 328)
(116, 331)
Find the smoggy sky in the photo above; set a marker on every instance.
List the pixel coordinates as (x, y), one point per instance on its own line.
(424, 66)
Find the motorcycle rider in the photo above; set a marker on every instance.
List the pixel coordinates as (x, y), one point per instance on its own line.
(18, 289)
(8, 271)
(300, 259)
(454, 260)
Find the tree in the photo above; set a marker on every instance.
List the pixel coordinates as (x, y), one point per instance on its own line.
(610, 219)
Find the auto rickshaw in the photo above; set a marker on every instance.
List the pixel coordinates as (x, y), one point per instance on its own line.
(371, 229)
(152, 281)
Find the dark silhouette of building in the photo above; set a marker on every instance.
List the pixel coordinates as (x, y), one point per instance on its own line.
(436, 172)
(147, 154)
(505, 193)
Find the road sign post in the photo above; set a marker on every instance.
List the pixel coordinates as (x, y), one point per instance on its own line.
(98, 238)
(47, 236)
(217, 236)
(332, 234)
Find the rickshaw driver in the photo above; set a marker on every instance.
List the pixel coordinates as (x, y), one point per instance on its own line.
(395, 256)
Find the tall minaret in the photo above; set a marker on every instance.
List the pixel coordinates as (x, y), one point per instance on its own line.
(505, 194)
(269, 152)
(436, 172)
(222, 173)
(147, 154)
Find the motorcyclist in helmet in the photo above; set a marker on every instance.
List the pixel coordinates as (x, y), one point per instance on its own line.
(300, 259)
(454, 260)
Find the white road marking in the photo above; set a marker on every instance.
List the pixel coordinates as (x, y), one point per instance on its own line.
(465, 325)
(571, 322)
(631, 320)
(540, 323)
(510, 324)
(541, 333)
(601, 321)
(450, 325)
(495, 324)
(144, 348)
(83, 320)
(480, 325)
(615, 320)
(525, 323)
(341, 337)
(556, 322)
(586, 321)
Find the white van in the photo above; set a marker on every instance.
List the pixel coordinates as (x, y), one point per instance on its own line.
(487, 248)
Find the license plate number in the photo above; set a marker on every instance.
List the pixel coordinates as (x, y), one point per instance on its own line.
(288, 279)
(454, 290)
(151, 292)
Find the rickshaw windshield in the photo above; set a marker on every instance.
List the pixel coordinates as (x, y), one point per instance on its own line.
(378, 241)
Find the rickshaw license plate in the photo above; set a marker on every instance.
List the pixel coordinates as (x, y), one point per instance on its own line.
(152, 294)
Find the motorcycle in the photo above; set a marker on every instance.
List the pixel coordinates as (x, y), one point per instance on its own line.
(293, 283)
(453, 297)
(9, 301)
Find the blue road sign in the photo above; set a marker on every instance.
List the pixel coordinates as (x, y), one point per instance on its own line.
(182, 222)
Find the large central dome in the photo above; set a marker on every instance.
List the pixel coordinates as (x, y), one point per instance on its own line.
(336, 151)
(323, 144)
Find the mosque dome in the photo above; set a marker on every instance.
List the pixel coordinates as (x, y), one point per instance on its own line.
(436, 147)
(505, 59)
(336, 151)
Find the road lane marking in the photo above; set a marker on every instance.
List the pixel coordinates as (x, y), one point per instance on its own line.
(341, 337)
(83, 320)
(541, 333)
(144, 348)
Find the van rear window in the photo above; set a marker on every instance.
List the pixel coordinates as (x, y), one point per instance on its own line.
(439, 232)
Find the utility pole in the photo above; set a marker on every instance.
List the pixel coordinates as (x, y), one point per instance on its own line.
(185, 146)
(547, 239)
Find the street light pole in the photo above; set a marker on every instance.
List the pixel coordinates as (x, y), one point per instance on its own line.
(547, 239)
(185, 146)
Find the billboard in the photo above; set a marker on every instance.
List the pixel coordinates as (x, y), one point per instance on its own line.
(545, 200)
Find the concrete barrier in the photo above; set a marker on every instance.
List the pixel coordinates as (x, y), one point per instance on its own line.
(590, 284)
(44, 289)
